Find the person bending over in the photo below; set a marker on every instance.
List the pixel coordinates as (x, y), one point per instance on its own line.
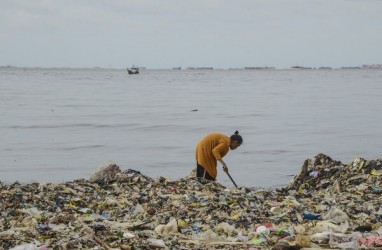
(211, 149)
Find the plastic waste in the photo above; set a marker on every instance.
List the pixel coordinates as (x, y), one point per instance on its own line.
(363, 228)
(371, 241)
(303, 240)
(344, 241)
(257, 241)
(320, 238)
(225, 228)
(196, 229)
(128, 235)
(189, 214)
(104, 172)
(182, 223)
(86, 210)
(32, 211)
(282, 232)
(170, 227)
(376, 189)
(25, 247)
(262, 230)
(284, 245)
(209, 235)
(138, 209)
(336, 215)
(376, 172)
(156, 243)
(314, 174)
(379, 231)
(241, 237)
(276, 210)
(311, 216)
(222, 198)
(327, 226)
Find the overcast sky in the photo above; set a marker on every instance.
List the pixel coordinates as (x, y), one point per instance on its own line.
(174, 33)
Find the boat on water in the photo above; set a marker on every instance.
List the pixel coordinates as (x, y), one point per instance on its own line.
(133, 70)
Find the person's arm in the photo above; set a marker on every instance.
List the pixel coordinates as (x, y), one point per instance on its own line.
(216, 153)
(225, 167)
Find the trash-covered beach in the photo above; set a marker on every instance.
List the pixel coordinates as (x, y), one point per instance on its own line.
(328, 205)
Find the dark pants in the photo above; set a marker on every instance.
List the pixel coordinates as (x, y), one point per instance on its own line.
(202, 173)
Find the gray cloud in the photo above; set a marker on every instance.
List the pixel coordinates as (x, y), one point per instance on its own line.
(167, 33)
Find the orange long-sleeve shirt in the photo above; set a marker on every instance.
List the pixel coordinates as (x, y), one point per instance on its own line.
(210, 149)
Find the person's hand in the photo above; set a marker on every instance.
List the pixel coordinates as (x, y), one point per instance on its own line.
(225, 168)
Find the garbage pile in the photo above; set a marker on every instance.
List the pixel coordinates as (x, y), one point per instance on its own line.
(328, 205)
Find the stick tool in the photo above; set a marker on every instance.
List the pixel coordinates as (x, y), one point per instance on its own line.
(231, 179)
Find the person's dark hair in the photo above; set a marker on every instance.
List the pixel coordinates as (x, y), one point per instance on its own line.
(237, 137)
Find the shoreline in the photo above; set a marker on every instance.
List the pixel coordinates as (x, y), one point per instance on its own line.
(327, 205)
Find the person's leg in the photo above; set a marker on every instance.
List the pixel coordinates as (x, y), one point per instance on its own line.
(202, 173)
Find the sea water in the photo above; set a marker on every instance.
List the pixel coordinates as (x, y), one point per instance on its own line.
(58, 125)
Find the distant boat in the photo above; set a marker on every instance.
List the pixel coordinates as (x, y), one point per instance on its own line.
(133, 70)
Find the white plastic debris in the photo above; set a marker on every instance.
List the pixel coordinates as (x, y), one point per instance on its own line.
(29, 246)
(105, 171)
(171, 227)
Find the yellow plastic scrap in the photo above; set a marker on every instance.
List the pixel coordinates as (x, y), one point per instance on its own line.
(376, 172)
(359, 162)
(235, 216)
(230, 202)
(70, 204)
(181, 223)
(37, 217)
(175, 196)
(194, 204)
(121, 202)
(69, 191)
(302, 187)
(44, 237)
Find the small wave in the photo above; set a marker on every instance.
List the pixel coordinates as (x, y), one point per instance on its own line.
(243, 115)
(80, 105)
(162, 147)
(75, 125)
(81, 147)
(51, 126)
(273, 152)
(37, 169)
(168, 127)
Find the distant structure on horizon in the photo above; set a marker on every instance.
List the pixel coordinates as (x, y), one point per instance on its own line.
(200, 68)
(372, 66)
(352, 67)
(258, 68)
(300, 67)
